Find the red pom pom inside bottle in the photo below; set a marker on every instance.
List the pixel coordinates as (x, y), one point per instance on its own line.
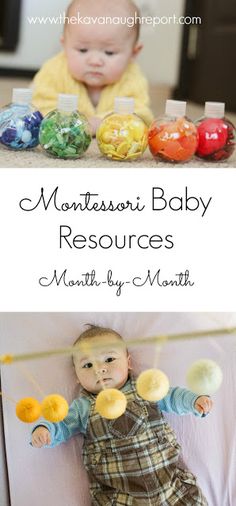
(216, 139)
(216, 134)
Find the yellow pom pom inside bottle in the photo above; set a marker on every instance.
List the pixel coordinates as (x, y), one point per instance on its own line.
(122, 135)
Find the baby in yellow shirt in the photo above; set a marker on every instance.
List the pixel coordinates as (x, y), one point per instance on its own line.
(97, 61)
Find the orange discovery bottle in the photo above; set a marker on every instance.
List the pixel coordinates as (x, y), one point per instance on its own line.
(173, 138)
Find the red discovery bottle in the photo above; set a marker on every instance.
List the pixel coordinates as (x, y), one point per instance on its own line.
(216, 134)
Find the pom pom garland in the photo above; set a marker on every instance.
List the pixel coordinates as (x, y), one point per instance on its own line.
(204, 377)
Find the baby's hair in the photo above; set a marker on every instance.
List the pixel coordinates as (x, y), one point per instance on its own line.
(134, 12)
(95, 331)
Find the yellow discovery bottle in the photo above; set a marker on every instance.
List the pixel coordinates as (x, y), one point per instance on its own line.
(122, 134)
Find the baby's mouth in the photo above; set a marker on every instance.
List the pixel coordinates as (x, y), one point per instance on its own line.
(103, 380)
(94, 74)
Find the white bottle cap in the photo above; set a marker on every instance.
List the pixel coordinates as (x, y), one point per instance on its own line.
(175, 108)
(67, 103)
(22, 96)
(124, 105)
(214, 109)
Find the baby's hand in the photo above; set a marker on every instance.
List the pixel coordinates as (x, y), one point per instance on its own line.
(203, 404)
(94, 124)
(41, 437)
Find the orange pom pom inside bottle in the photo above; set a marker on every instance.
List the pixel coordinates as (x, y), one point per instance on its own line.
(173, 138)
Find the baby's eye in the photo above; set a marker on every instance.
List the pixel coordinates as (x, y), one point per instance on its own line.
(83, 50)
(109, 53)
(110, 359)
(88, 365)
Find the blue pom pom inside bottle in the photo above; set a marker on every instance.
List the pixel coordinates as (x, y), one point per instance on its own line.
(20, 122)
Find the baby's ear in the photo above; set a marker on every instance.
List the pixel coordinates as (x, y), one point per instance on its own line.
(129, 363)
(62, 39)
(136, 50)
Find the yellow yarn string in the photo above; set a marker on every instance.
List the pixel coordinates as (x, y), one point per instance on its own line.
(7, 397)
(31, 379)
(8, 359)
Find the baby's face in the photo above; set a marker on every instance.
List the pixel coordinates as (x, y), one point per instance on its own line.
(102, 362)
(98, 55)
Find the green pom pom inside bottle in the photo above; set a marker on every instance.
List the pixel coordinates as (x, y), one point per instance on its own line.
(65, 132)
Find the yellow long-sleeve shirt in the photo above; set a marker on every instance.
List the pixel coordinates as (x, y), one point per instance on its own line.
(54, 78)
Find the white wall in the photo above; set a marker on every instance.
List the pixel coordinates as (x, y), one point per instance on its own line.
(162, 45)
(3, 472)
(37, 42)
(159, 59)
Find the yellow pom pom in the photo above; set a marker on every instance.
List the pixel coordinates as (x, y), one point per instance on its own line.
(54, 408)
(6, 359)
(111, 403)
(152, 385)
(28, 410)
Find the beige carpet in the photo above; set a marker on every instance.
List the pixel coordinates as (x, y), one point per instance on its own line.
(36, 158)
(93, 159)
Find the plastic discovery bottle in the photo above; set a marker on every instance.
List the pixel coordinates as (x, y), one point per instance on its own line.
(122, 134)
(19, 121)
(65, 132)
(216, 133)
(173, 138)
